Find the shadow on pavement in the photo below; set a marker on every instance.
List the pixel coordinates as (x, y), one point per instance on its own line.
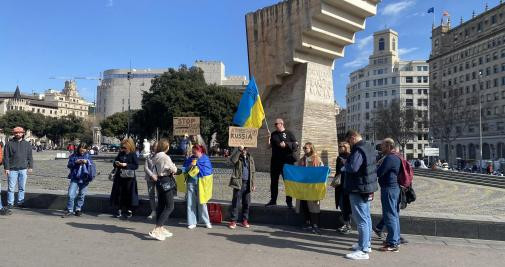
(269, 241)
(108, 228)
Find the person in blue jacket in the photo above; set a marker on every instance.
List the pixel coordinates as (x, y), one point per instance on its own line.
(387, 173)
(82, 172)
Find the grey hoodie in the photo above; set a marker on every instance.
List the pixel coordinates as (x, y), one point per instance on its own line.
(18, 155)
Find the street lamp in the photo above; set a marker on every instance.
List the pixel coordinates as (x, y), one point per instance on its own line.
(480, 122)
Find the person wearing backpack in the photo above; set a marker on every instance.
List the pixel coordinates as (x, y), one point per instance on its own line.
(82, 172)
(388, 173)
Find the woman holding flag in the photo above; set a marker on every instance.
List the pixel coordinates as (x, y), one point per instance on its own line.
(310, 208)
(199, 186)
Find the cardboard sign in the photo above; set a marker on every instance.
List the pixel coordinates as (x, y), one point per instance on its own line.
(246, 137)
(186, 125)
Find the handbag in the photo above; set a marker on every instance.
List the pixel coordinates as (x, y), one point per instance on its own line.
(215, 212)
(124, 173)
(111, 174)
(168, 184)
(337, 181)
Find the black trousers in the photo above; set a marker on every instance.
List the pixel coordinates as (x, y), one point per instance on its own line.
(343, 202)
(165, 204)
(243, 195)
(275, 171)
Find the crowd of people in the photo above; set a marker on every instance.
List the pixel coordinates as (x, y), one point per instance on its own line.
(357, 176)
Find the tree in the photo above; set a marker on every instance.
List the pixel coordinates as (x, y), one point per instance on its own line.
(184, 93)
(450, 115)
(396, 121)
(15, 118)
(115, 125)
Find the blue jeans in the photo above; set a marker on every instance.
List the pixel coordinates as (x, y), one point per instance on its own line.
(1, 206)
(390, 213)
(361, 215)
(73, 187)
(19, 178)
(193, 206)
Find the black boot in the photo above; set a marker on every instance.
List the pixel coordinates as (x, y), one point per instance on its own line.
(314, 219)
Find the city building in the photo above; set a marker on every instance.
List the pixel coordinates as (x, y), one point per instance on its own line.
(341, 119)
(467, 63)
(118, 87)
(51, 103)
(384, 79)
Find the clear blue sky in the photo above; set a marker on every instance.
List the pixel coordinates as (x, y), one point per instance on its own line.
(39, 39)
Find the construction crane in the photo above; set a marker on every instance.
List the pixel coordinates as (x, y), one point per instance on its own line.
(74, 78)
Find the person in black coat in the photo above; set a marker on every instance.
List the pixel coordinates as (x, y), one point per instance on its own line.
(341, 197)
(124, 195)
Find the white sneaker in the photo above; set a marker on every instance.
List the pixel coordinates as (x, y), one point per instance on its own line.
(157, 235)
(166, 233)
(193, 226)
(356, 247)
(358, 255)
(209, 226)
(152, 215)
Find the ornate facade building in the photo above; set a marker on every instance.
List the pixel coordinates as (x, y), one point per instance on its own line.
(467, 65)
(51, 103)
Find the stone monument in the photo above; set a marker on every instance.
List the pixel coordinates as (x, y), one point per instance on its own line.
(292, 47)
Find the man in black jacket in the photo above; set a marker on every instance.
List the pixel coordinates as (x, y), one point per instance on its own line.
(17, 160)
(360, 183)
(284, 148)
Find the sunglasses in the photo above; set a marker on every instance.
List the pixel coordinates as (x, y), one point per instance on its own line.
(277, 123)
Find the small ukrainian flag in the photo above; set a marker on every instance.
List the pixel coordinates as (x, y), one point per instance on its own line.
(305, 183)
(250, 113)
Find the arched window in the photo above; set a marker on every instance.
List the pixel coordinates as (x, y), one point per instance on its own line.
(500, 152)
(471, 152)
(394, 44)
(486, 151)
(459, 151)
(381, 44)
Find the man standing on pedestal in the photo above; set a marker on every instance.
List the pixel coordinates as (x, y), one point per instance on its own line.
(17, 161)
(284, 148)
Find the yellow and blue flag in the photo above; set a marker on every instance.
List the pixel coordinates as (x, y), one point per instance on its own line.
(305, 183)
(250, 113)
(203, 172)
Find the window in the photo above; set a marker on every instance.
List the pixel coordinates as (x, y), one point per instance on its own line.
(409, 102)
(409, 79)
(393, 79)
(394, 44)
(393, 92)
(366, 95)
(410, 146)
(408, 91)
(367, 83)
(381, 44)
(367, 106)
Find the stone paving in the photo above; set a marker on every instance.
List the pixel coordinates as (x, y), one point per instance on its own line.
(435, 198)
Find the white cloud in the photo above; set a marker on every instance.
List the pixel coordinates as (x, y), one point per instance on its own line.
(359, 61)
(404, 51)
(395, 8)
(363, 43)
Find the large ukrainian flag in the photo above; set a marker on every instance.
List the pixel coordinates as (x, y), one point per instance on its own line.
(250, 113)
(305, 183)
(203, 172)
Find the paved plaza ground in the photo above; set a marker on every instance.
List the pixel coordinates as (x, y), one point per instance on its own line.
(435, 198)
(42, 238)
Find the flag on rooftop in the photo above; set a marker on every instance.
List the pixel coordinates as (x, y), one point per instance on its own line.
(431, 10)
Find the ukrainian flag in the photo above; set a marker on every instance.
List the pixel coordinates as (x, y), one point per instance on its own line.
(305, 183)
(250, 113)
(203, 172)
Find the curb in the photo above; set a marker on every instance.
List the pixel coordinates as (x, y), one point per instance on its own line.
(281, 215)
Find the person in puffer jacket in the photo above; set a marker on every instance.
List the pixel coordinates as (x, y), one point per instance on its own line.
(82, 172)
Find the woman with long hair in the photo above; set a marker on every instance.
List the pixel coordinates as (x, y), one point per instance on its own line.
(124, 195)
(310, 208)
(164, 170)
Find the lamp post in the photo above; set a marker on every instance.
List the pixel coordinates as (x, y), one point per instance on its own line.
(129, 77)
(480, 123)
